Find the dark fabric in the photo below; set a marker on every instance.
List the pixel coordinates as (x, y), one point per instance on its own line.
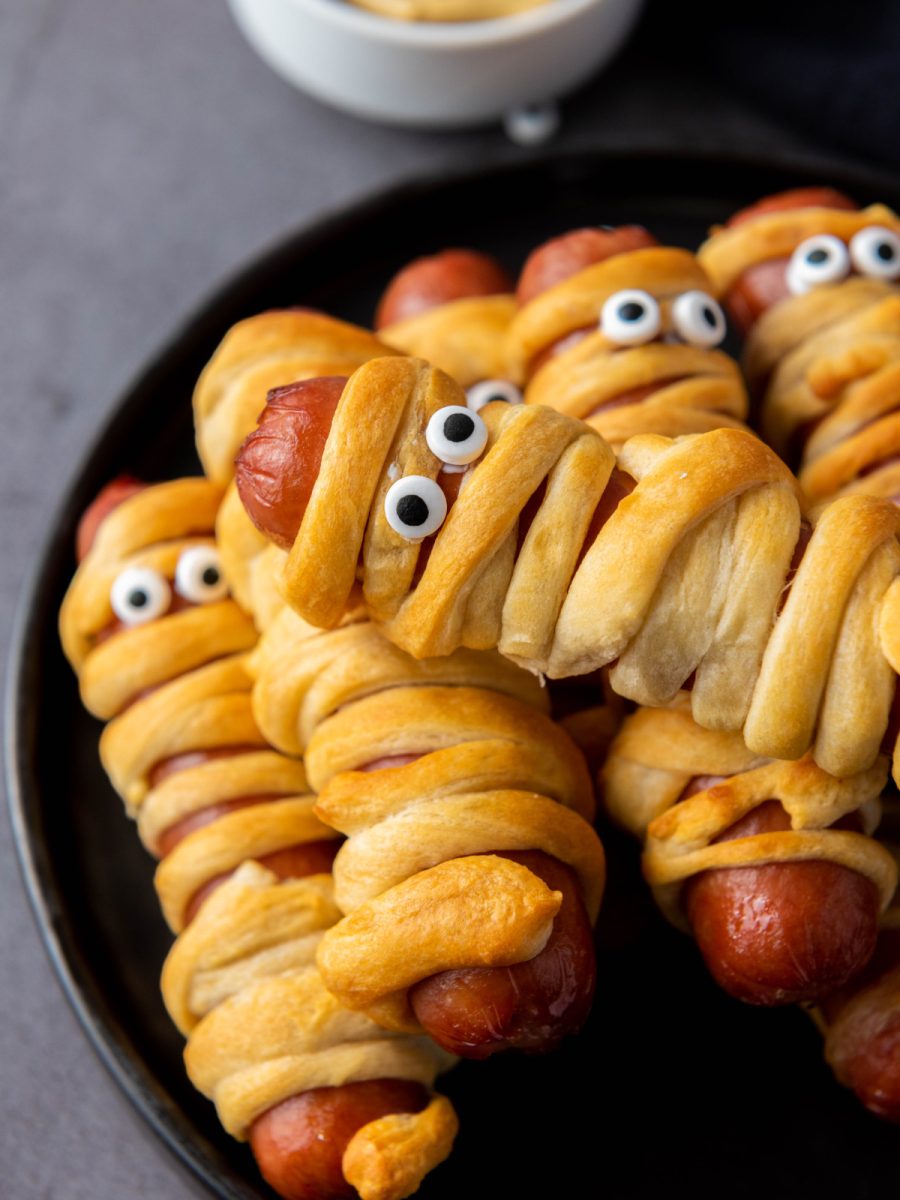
(831, 71)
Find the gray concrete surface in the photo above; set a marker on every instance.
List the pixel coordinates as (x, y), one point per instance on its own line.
(144, 152)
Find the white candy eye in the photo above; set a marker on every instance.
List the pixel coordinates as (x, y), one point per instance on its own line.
(480, 394)
(698, 319)
(199, 575)
(140, 595)
(456, 435)
(415, 507)
(630, 317)
(876, 252)
(818, 260)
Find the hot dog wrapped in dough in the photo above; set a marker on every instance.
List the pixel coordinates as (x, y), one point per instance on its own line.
(516, 527)
(471, 875)
(624, 334)
(775, 868)
(328, 1101)
(771, 864)
(814, 281)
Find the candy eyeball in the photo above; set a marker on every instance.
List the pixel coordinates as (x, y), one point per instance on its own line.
(630, 317)
(817, 261)
(199, 576)
(480, 394)
(140, 595)
(876, 252)
(698, 319)
(456, 435)
(415, 507)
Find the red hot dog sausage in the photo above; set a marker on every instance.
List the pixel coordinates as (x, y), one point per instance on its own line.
(299, 1144)
(531, 1006)
(279, 462)
(439, 279)
(782, 932)
(570, 253)
(863, 1040)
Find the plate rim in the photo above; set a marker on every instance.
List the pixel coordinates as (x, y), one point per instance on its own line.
(102, 1030)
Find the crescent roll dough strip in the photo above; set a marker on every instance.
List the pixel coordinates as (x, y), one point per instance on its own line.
(697, 389)
(826, 644)
(659, 751)
(465, 338)
(252, 563)
(417, 877)
(246, 964)
(304, 677)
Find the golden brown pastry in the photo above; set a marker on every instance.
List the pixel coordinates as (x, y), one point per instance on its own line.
(623, 333)
(244, 872)
(258, 355)
(814, 281)
(438, 771)
(673, 565)
(770, 863)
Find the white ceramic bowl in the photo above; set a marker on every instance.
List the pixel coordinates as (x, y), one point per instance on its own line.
(437, 75)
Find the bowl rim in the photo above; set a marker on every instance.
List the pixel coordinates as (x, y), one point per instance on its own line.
(492, 31)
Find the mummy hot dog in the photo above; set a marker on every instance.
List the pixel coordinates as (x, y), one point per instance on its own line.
(529, 987)
(463, 805)
(813, 279)
(783, 901)
(672, 566)
(769, 863)
(622, 332)
(160, 648)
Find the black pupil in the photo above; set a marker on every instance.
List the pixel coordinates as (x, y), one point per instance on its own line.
(138, 598)
(885, 251)
(709, 316)
(458, 427)
(412, 510)
(631, 311)
(817, 256)
(210, 576)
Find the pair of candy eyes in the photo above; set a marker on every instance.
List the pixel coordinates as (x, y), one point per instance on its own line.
(415, 506)
(141, 594)
(633, 316)
(823, 259)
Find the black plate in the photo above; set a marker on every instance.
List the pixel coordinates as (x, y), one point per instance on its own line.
(683, 1091)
